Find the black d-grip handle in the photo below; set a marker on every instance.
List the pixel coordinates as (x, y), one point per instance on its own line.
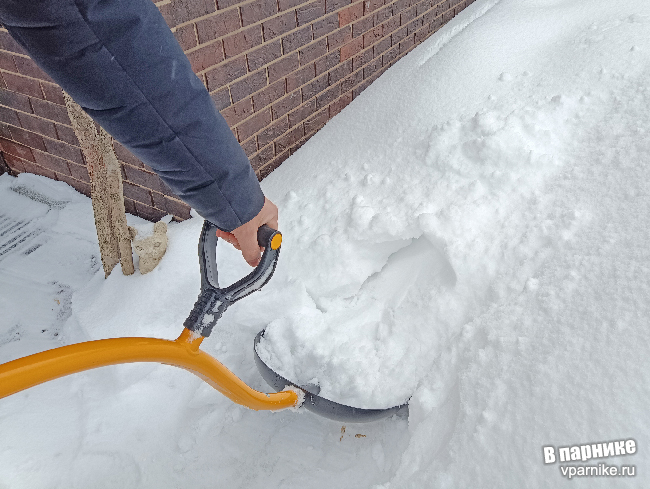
(213, 301)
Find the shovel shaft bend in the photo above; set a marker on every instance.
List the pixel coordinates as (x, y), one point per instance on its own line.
(183, 352)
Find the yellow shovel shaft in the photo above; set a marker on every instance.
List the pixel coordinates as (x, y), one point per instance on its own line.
(184, 352)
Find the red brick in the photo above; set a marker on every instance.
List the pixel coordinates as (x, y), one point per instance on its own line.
(65, 133)
(249, 146)
(79, 186)
(400, 5)
(16, 149)
(242, 41)
(287, 4)
(340, 104)
(27, 67)
(351, 81)
(171, 206)
(362, 26)
(273, 131)
(371, 37)
(238, 112)
(226, 73)
(138, 194)
(148, 212)
(287, 140)
(27, 138)
(406, 45)
(15, 100)
(224, 4)
(218, 25)
(351, 13)
(253, 124)
(50, 111)
(317, 121)
(39, 170)
(21, 84)
(79, 172)
(267, 169)
(340, 71)
(302, 112)
(9, 116)
(177, 208)
(279, 25)
(296, 39)
(422, 7)
(351, 48)
(310, 12)
(50, 161)
(166, 11)
(312, 51)
(63, 150)
(328, 96)
(324, 26)
(282, 67)
(143, 178)
(422, 34)
(299, 144)
(258, 10)
(390, 25)
(8, 44)
(414, 26)
(186, 36)
(382, 46)
(262, 157)
(5, 131)
(205, 57)
(326, 62)
(7, 62)
(268, 95)
(315, 87)
(53, 93)
(129, 206)
(285, 104)
(300, 77)
(248, 85)
(263, 55)
(371, 67)
(384, 14)
(338, 38)
(371, 6)
(37, 125)
(332, 5)
(221, 99)
(125, 155)
(398, 35)
(184, 10)
(15, 164)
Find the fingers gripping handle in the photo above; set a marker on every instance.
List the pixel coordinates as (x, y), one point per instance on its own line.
(213, 301)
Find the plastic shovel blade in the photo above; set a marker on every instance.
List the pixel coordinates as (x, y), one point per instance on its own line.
(321, 406)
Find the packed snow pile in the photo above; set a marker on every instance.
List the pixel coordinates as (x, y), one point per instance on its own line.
(470, 234)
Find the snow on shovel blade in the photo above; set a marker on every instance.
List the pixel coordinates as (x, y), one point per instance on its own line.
(320, 405)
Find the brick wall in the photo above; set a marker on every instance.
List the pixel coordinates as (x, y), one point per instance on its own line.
(277, 70)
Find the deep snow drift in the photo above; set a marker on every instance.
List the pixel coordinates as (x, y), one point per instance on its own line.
(471, 233)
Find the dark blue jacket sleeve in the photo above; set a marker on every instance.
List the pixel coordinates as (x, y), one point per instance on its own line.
(121, 63)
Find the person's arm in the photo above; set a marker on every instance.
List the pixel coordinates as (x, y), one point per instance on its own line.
(120, 62)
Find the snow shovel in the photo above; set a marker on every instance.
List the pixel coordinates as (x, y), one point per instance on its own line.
(213, 301)
(184, 352)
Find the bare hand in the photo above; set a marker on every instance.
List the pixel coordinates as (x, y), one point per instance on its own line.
(244, 238)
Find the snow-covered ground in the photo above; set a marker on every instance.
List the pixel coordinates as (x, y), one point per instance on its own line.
(470, 233)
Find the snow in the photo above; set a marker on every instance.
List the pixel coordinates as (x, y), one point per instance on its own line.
(470, 234)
